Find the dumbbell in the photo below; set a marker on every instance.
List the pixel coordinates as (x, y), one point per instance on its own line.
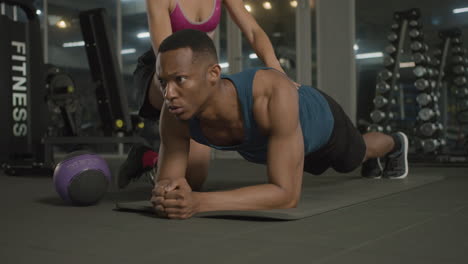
(383, 87)
(428, 129)
(414, 23)
(392, 37)
(459, 69)
(461, 80)
(424, 99)
(414, 33)
(395, 26)
(420, 71)
(415, 13)
(375, 128)
(422, 84)
(456, 40)
(385, 75)
(458, 59)
(435, 62)
(388, 61)
(426, 114)
(430, 72)
(380, 101)
(390, 49)
(378, 116)
(416, 46)
(457, 50)
(419, 58)
(430, 145)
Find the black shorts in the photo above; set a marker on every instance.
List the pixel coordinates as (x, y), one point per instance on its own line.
(345, 149)
(142, 78)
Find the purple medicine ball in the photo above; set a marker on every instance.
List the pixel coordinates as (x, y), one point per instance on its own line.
(82, 178)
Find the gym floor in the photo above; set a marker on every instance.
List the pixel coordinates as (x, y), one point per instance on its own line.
(426, 225)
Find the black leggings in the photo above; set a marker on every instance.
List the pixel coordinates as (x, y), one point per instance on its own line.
(142, 78)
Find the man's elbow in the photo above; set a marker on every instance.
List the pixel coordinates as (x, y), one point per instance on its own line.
(293, 203)
(290, 201)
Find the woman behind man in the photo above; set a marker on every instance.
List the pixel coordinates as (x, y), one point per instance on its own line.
(164, 18)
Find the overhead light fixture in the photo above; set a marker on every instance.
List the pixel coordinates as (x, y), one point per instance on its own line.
(409, 64)
(143, 35)
(127, 51)
(62, 24)
(460, 10)
(253, 56)
(293, 3)
(248, 8)
(369, 55)
(267, 5)
(224, 65)
(73, 44)
(38, 12)
(356, 47)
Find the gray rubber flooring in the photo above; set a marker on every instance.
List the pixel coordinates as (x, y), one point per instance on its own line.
(427, 224)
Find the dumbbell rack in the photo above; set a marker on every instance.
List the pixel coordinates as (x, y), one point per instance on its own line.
(389, 99)
(451, 60)
(428, 131)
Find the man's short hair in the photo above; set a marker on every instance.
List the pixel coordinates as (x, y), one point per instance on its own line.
(198, 41)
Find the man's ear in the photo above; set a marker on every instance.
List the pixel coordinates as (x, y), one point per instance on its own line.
(214, 73)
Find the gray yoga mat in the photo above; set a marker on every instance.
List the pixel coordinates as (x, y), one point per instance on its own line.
(319, 196)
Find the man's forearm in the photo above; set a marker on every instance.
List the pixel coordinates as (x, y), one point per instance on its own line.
(257, 197)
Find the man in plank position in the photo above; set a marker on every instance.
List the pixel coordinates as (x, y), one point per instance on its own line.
(266, 118)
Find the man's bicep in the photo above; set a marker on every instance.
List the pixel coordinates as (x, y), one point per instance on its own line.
(174, 148)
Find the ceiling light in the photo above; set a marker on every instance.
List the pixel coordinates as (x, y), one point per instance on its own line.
(143, 35)
(127, 51)
(253, 56)
(62, 24)
(293, 4)
(73, 44)
(224, 65)
(38, 12)
(248, 7)
(460, 10)
(369, 55)
(356, 47)
(267, 5)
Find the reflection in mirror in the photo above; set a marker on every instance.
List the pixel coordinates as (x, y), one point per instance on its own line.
(411, 58)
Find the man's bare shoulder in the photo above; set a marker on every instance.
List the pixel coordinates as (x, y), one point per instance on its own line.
(269, 81)
(271, 86)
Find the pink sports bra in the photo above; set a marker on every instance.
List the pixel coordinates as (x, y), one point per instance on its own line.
(179, 21)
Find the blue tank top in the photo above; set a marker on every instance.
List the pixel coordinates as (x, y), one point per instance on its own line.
(315, 117)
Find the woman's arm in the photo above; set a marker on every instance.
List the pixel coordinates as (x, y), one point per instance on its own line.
(159, 22)
(257, 38)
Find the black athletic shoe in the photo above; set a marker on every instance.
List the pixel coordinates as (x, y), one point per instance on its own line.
(372, 168)
(397, 164)
(132, 168)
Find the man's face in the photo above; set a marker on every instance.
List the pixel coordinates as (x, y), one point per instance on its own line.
(183, 83)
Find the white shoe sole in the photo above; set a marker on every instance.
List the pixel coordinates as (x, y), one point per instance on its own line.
(405, 152)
